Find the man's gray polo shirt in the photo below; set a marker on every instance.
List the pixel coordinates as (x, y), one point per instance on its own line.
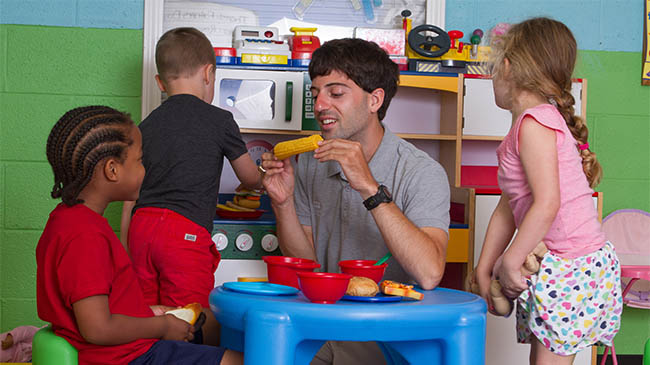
(342, 227)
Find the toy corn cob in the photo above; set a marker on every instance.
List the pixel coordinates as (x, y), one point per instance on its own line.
(286, 149)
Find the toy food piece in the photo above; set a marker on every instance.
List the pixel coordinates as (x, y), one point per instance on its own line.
(394, 288)
(189, 313)
(246, 202)
(225, 207)
(287, 149)
(247, 198)
(362, 287)
(237, 207)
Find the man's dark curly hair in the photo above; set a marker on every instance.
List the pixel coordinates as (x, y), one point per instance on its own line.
(363, 62)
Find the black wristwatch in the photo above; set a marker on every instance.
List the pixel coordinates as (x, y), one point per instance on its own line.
(382, 196)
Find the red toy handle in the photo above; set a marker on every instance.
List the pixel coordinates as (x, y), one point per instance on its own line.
(456, 34)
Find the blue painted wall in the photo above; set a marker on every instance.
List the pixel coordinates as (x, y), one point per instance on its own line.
(603, 25)
(599, 25)
(116, 14)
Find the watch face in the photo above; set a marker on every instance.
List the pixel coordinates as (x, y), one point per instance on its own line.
(386, 192)
(256, 148)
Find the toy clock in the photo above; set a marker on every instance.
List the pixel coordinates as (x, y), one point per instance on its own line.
(256, 148)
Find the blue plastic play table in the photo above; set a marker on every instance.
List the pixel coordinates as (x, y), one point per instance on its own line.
(446, 327)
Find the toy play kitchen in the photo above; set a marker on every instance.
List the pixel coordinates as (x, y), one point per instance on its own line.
(452, 117)
(260, 45)
(263, 80)
(242, 242)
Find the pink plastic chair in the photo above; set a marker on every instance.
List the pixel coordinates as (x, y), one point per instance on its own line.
(629, 231)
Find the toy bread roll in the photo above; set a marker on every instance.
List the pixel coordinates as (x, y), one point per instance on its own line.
(189, 313)
(362, 287)
(287, 149)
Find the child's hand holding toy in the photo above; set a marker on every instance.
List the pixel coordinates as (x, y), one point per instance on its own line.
(502, 304)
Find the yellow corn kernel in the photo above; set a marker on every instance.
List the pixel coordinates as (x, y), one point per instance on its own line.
(287, 149)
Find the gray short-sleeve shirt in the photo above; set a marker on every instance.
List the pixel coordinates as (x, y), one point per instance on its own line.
(342, 227)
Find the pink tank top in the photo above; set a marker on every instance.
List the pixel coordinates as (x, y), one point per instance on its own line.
(576, 230)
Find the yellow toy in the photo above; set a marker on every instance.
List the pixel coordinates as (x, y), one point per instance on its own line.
(429, 49)
(502, 304)
(287, 149)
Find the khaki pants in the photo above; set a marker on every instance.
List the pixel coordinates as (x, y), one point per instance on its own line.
(349, 353)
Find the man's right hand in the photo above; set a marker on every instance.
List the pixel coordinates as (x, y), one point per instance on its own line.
(177, 329)
(278, 180)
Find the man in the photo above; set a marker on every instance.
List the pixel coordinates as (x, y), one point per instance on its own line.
(364, 191)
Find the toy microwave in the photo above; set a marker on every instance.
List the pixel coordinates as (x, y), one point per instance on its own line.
(262, 99)
(260, 45)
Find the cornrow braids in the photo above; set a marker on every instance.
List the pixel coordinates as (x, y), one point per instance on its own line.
(63, 127)
(81, 139)
(80, 132)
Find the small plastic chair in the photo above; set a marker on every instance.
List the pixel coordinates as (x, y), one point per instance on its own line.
(50, 349)
(629, 231)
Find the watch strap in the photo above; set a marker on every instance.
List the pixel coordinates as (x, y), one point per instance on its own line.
(382, 196)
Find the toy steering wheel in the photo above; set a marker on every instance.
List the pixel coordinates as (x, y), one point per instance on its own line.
(422, 43)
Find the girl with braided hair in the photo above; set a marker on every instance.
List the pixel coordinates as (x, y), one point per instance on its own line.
(546, 173)
(86, 286)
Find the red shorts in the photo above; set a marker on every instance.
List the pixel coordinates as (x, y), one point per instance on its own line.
(173, 257)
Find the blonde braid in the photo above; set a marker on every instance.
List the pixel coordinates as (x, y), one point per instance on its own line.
(580, 132)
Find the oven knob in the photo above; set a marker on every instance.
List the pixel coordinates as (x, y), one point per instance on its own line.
(244, 242)
(220, 240)
(269, 242)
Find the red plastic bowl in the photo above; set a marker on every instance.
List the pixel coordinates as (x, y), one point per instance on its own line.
(282, 269)
(363, 268)
(323, 287)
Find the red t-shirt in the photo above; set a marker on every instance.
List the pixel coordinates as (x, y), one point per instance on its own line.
(79, 256)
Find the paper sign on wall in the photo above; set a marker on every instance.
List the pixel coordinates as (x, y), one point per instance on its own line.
(216, 21)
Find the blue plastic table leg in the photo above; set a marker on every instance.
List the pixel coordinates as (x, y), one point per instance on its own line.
(232, 339)
(276, 332)
(452, 350)
(306, 351)
(392, 356)
(456, 344)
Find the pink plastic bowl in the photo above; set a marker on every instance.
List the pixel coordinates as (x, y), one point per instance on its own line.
(323, 287)
(363, 268)
(282, 269)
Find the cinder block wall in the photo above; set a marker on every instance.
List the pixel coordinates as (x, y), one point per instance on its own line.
(56, 55)
(47, 71)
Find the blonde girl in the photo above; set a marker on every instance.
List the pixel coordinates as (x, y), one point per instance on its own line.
(546, 173)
